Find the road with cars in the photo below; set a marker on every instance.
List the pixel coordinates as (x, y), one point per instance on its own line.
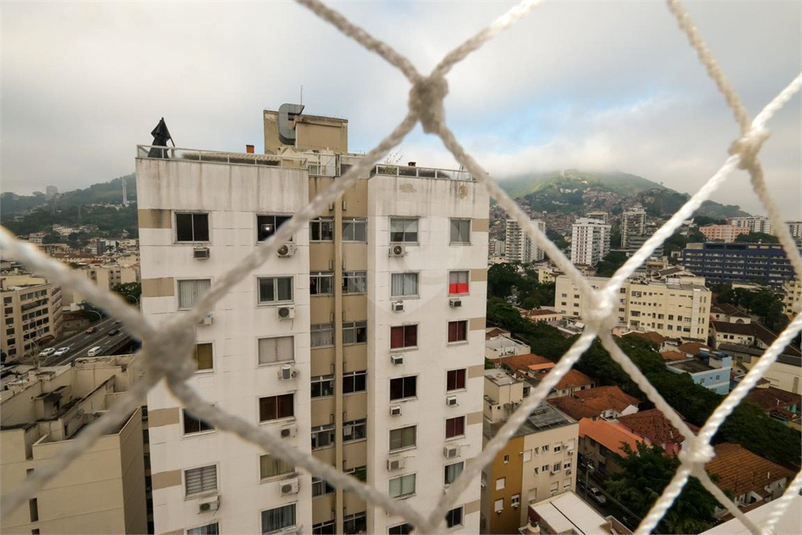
(106, 335)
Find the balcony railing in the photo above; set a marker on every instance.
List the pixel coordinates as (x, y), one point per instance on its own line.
(246, 158)
(421, 172)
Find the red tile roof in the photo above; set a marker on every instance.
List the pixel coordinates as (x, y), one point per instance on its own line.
(609, 434)
(740, 471)
(573, 379)
(523, 362)
(771, 398)
(651, 336)
(692, 348)
(672, 355)
(495, 331)
(654, 426)
(540, 312)
(593, 402)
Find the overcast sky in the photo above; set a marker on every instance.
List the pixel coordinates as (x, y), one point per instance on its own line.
(590, 85)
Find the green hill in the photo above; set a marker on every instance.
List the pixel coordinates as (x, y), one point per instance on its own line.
(106, 192)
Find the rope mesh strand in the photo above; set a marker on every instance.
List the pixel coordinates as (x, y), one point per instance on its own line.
(166, 348)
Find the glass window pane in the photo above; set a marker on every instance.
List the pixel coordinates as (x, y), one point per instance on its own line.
(201, 227)
(285, 289)
(183, 224)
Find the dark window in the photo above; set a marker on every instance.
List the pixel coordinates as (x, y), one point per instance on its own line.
(329, 527)
(454, 517)
(355, 332)
(275, 290)
(403, 336)
(402, 529)
(455, 427)
(321, 229)
(403, 387)
(278, 518)
(321, 487)
(354, 382)
(457, 331)
(403, 230)
(356, 523)
(275, 407)
(195, 425)
(267, 225)
(209, 529)
(455, 379)
(321, 283)
(322, 386)
(322, 436)
(33, 506)
(192, 227)
(355, 430)
(202, 355)
(452, 472)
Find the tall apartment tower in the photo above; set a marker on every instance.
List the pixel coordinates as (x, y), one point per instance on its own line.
(518, 246)
(590, 241)
(753, 223)
(360, 342)
(633, 224)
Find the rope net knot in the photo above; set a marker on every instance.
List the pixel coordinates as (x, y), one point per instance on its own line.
(426, 100)
(748, 146)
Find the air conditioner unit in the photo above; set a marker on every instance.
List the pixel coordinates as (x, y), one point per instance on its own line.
(288, 431)
(451, 401)
(396, 360)
(395, 410)
(398, 306)
(398, 250)
(395, 464)
(455, 303)
(209, 505)
(570, 452)
(450, 452)
(206, 320)
(200, 253)
(286, 250)
(289, 486)
(287, 372)
(285, 312)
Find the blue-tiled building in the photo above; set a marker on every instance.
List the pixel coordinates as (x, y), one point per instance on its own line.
(738, 262)
(711, 370)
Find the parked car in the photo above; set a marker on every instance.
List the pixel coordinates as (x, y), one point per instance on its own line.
(114, 331)
(60, 351)
(94, 351)
(47, 352)
(597, 494)
(90, 330)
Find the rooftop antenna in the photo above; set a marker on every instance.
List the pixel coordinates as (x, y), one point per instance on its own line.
(302, 95)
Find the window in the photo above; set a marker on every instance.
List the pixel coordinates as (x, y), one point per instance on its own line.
(355, 430)
(270, 466)
(404, 285)
(33, 507)
(501, 483)
(458, 282)
(321, 283)
(202, 355)
(325, 528)
(403, 336)
(499, 505)
(354, 382)
(401, 529)
(557, 447)
(403, 387)
(322, 335)
(208, 529)
(359, 472)
(356, 523)
(460, 231)
(515, 500)
(321, 487)
(355, 332)
(355, 229)
(556, 467)
(322, 386)
(275, 289)
(403, 230)
(191, 227)
(198, 480)
(455, 427)
(457, 331)
(195, 425)
(355, 282)
(267, 225)
(322, 436)
(452, 471)
(189, 291)
(403, 486)
(321, 229)
(527, 456)
(279, 349)
(278, 518)
(276, 407)
(403, 438)
(454, 517)
(455, 380)
(506, 459)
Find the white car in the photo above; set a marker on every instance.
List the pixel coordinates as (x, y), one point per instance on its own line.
(47, 352)
(60, 351)
(597, 494)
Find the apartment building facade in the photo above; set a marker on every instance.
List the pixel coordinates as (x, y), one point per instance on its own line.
(104, 489)
(361, 342)
(752, 223)
(518, 246)
(675, 308)
(633, 224)
(722, 232)
(590, 241)
(765, 263)
(31, 311)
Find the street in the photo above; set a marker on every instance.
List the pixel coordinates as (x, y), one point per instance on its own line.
(80, 343)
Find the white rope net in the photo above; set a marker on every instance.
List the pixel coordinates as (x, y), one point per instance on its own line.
(167, 347)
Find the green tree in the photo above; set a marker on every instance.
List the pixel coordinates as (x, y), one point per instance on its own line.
(608, 266)
(501, 279)
(646, 472)
(757, 237)
(131, 291)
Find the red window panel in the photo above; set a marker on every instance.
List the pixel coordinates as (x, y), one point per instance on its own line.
(396, 337)
(403, 336)
(455, 427)
(457, 331)
(458, 288)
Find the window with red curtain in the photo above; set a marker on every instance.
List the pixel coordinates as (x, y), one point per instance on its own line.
(455, 427)
(455, 379)
(458, 282)
(457, 331)
(403, 336)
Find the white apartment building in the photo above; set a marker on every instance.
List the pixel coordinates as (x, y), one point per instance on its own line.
(590, 241)
(675, 308)
(601, 215)
(31, 314)
(633, 224)
(361, 342)
(753, 223)
(518, 246)
(795, 227)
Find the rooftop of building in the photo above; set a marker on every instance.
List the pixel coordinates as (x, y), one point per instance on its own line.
(771, 397)
(728, 309)
(526, 362)
(759, 514)
(653, 425)
(492, 332)
(568, 513)
(691, 365)
(542, 418)
(500, 377)
(609, 434)
(573, 379)
(755, 329)
(672, 355)
(650, 336)
(740, 471)
(790, 354)
(541, 312)
(592, 402)
(693, 348)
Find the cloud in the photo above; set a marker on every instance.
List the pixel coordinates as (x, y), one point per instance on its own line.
(601, 85)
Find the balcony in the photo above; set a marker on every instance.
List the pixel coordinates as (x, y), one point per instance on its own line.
(421, 172)
(210, 156)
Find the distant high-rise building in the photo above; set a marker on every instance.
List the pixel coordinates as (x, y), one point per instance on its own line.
(125, 191)
(722, 232)
(518, 246)
(32, 311)
(590, 241)
(764, 263)
(796, 229)
(633, 223)
(51, 191)
(753, 223)
(600, 215)
(330, 344)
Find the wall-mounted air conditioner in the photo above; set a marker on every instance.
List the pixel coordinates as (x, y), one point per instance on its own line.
(398, 250)
(285, 312)
(200, 253)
